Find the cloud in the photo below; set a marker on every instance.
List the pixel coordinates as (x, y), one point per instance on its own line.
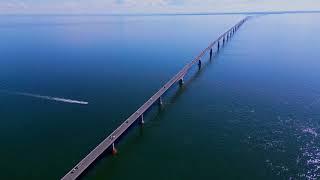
(152, 6)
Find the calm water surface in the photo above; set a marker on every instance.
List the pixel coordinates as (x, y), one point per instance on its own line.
(251, 113)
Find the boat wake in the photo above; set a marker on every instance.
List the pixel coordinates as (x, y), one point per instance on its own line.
(59, 99)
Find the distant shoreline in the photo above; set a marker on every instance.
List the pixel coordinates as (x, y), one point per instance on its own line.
(168, 14)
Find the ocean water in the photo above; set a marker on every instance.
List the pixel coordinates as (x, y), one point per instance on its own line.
(250, 113)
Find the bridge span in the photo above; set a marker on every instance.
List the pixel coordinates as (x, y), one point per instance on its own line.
(109, 142)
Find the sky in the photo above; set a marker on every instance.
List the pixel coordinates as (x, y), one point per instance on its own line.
(152, 6)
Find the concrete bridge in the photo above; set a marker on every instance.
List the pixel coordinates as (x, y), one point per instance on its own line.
(109, 142)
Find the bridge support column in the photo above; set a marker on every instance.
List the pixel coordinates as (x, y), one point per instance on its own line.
(114, 150)
(142, 119)
(223, 41)
(199, 63)
(210, 53)
(218, 45)
(181, 82)
(160, 101)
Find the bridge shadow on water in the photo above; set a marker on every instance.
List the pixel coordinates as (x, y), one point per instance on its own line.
(192, 78)
(172, 95)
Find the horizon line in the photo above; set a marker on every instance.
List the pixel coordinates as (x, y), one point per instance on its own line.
(162, 14)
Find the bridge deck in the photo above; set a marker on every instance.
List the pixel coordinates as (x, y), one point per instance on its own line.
(75, 172)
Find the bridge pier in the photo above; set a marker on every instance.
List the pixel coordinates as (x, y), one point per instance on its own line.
(210, 53)
(142, 119)
(181, 82)
(199, 63)
(114, 150)
(223, 41)
(218, 45)
(160, 101)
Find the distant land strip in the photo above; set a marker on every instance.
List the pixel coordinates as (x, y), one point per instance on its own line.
(166, 14)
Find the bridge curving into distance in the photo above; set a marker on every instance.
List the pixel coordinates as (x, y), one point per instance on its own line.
(109, 142)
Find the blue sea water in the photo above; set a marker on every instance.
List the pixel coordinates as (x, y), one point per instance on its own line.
(250, 113)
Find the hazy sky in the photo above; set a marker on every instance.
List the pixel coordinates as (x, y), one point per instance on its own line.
(153, 6)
